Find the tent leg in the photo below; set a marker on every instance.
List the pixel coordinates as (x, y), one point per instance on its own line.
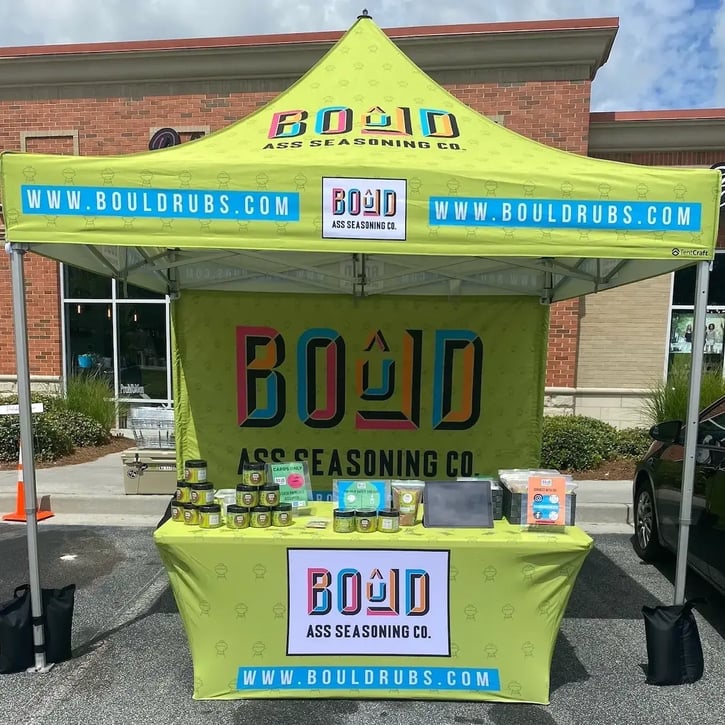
(17, 254)
(691, 425)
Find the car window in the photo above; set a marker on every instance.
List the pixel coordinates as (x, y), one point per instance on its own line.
(712, 427)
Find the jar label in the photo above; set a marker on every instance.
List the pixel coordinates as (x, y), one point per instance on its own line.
(213, 519)
(194, 497)
(247, 499)
(240, 520)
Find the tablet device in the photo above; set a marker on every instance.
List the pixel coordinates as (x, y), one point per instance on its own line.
(458, 504)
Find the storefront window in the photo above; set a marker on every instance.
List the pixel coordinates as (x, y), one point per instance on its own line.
(683, 292)
(681, 334)
(81, 285)
(682, 322)
(89, 339)
(142, 350)
(139, 351)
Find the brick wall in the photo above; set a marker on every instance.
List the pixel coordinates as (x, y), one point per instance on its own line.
(42, 296)
(554, 113)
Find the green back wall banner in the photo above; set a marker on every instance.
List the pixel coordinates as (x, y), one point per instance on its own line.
(384, 387)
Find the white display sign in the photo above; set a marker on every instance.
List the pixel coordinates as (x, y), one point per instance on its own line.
(364, 208)
(15, 409)
(368, 602)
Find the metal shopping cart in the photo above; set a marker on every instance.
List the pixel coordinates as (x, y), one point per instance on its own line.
(152, 427)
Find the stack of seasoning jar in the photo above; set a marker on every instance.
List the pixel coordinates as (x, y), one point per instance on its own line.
(258, 503)
(366, 522)
(194, 500)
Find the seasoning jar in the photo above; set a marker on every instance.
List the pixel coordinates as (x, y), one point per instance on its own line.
(254, 474)
(388, 521)
(247, 496)
(269, 495)
(183, 492)
(177, 510)
(191, 514)
(261, 517)
(366, 521)
(282, 515)
(202, 494)
(195, 470)
(210, 516)
(237, 517)
(343, 522)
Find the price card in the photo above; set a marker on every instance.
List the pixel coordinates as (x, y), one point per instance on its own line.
(294, 482)
(546, 501)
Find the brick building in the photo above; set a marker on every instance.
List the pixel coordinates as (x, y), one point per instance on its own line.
(533, 77)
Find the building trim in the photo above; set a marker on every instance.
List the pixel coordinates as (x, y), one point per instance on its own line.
(657, 131)
(502, 52)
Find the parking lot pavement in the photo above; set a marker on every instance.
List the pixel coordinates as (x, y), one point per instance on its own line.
(131, 662)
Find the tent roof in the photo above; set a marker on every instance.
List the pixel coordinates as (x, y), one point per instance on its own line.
(364, 176)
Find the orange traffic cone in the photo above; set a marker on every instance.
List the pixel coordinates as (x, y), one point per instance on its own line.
(19, 513)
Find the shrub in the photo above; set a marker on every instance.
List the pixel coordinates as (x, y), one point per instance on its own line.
(667, 399)
(82, 430)
(632, 442)
(50, 439)
(93, 397)
(576, 442)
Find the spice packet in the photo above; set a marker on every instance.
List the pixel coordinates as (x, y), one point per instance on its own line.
(406, 499)
(317, 524)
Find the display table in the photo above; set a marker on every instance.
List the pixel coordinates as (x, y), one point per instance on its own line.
(440, 614)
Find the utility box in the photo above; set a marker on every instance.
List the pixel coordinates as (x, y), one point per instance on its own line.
(149, 470)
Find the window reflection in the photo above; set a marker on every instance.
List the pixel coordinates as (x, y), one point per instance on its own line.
(142, 350)
(89, 339)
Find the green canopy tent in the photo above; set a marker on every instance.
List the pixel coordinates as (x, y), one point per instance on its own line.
(364, 159)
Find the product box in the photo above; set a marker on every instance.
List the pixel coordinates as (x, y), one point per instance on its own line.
(149, 470)
(516, 505)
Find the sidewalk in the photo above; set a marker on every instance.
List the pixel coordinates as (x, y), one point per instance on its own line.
(95, 489)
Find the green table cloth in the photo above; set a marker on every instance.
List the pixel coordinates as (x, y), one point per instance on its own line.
(440, 614)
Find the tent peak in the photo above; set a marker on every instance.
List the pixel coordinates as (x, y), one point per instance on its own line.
(364, 15)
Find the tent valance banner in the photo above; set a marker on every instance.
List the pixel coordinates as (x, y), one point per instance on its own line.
(365, 154)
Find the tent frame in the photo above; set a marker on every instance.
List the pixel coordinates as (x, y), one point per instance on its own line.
(17, 253)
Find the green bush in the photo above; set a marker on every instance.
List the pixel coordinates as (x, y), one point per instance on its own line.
(82, 430)
(576, 442)
(50, 439)
(667, 399)
(632, 442)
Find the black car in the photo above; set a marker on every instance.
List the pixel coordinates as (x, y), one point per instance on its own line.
(657, 493)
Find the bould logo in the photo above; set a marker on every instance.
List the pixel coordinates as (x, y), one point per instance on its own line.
(370, 202)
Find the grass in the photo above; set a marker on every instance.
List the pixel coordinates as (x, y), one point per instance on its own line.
(667, 399)
(93, 397)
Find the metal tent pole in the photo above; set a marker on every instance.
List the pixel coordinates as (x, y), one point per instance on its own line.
(691, 425)
(17, 253)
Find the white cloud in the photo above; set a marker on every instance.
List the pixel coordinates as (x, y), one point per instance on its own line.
(668, 53)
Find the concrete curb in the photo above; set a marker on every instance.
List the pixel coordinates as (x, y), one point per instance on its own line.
(155, 505)
(107, 505)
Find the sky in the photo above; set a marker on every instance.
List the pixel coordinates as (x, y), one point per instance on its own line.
(668, 54)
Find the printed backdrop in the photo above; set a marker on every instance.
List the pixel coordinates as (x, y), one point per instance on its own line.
(405, 387)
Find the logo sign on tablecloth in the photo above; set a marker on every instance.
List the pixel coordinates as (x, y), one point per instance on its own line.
(368, 602)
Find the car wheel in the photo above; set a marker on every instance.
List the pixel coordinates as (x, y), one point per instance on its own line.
(646, 541)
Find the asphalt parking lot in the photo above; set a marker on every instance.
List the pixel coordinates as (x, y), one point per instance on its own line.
(131, 661)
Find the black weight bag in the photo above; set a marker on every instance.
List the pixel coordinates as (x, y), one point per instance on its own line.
(674, 650)
(58, 612)
(16, 628)
(16, 633)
